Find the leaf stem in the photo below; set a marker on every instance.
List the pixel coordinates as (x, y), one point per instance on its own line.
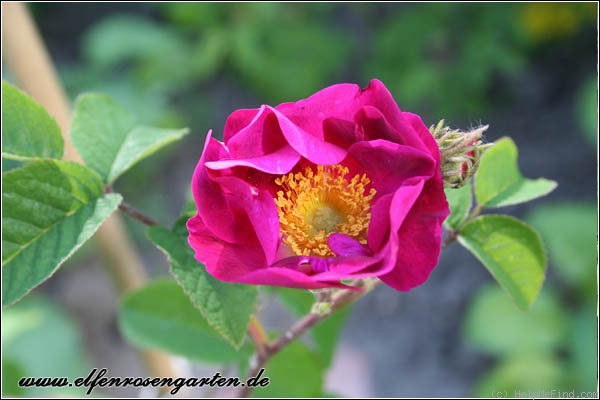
(452, 234)
(339, 300)
(136, 214)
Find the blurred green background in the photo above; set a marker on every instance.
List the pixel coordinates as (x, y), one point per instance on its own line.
(527, 69)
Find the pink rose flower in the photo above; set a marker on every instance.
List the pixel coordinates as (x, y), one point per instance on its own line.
(341, 185)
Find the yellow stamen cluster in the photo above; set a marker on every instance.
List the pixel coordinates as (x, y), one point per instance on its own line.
(313, 205)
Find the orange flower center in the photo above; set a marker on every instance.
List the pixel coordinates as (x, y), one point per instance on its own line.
(312, 206)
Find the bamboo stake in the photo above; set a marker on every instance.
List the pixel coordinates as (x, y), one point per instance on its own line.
(32, 68)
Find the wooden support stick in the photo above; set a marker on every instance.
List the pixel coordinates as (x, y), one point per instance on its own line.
(34, 72)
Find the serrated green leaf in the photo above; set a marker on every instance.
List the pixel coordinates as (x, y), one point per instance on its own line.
(459, 201)
(512, 251)
(498, 181)
(50, 208)
(28, 131)
(160, 315)
(227, 307)
(294, 372)
(570, 233)
(108, 139)
(493, 324)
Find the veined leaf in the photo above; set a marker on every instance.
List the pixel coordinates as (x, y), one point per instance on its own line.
(160, 315)
(227, 307)
(498, 181)
(28, 131)
(512, 251)
(459, 201)
(50, 208)
(108, 139)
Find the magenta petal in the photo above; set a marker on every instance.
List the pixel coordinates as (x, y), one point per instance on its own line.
(260, 210)
(419, 243)
(313, 148)
(391, 219)
(213, 205)
(389, 164)
(376, 126)
(279, 162)
(287, 277)
(353, 267)
(426, 136)
(225, 261)
(418, 238)
(237, 121)
(344, 245)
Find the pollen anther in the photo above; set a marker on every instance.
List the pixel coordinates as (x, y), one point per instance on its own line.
(312, 205)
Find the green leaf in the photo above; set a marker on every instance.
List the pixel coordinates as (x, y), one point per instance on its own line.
(294, 372)
(28, 131)
(493, 324)
(512, 251)
(50, 208)
(108, 139)
(570, 233)
(498, 182)
(583, 343)
(160, 315)
(11, 374)
(44, 341)
(227, 307)
(522, 377)
(459, 201)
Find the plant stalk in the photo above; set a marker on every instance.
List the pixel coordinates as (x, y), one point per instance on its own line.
(33, 70)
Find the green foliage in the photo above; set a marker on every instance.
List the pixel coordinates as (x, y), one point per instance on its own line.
(28, 131)
(570, 232)
(50, 208)
(583, 349)
(459, 201)
(160, 55)
(493, 324)
(587, 109)
(444, 56)
(160, 315)
(41, 340)
(108, 139)
(511, 251)
(523, 374)
(11, 373)
(292, 64)
(498, 181)
(296, 371)
(227, 307)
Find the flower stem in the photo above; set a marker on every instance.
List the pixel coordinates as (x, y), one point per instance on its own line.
(136, 214)
(259, 336)
(339, 300)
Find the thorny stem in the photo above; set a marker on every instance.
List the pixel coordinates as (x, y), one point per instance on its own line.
(339, 300)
